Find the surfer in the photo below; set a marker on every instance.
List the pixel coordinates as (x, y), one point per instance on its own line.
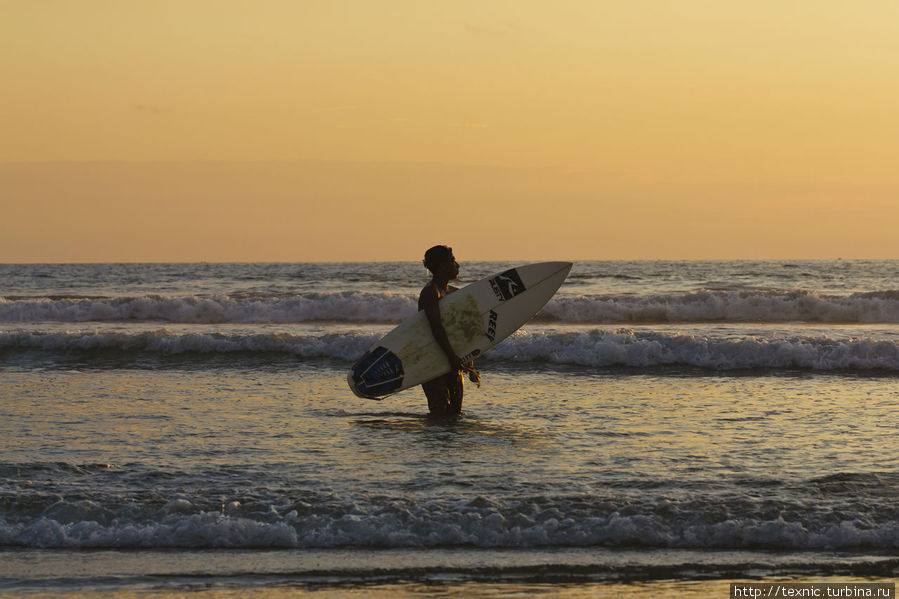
(445, 392)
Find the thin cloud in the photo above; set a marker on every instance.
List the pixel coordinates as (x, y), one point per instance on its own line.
(148, 108)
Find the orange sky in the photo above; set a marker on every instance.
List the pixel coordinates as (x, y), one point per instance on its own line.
(283, 130)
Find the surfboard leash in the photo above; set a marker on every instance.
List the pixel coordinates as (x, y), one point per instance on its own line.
(473, 375)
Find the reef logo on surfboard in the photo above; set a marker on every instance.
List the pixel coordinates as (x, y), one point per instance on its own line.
(507, 285)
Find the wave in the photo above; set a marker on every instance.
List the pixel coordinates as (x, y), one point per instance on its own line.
(628, 348)
(757, 305)
(342, 346)
(351, 306)
(702, 522)
(342, 306)
(596, 349)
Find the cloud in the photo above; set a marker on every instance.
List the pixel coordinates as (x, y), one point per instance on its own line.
(148, 108)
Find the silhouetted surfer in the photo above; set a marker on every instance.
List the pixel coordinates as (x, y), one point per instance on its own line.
(445, 392)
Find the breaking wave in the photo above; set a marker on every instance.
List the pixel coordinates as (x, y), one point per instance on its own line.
(341, 346)
(351, 306)
(728, 306)
(646, 349)
(342, 307)
(705, 521)
(591, 349)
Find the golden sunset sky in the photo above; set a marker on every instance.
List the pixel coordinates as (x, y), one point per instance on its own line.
(232, 130)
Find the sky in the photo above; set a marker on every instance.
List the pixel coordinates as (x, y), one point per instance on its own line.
(275, 130)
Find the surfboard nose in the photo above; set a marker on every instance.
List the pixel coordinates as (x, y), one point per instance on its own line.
(555, 266)
(560, 265)
(556, 269)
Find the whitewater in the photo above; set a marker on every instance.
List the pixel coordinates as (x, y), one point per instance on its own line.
(362, 307)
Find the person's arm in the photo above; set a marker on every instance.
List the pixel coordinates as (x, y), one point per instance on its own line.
(432, 312)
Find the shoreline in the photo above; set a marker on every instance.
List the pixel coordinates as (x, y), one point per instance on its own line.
(37, 570)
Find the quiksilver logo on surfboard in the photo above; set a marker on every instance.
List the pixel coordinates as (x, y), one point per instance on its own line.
(507, 285)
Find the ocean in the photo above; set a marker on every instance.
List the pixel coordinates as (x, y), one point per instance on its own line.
(659, 429)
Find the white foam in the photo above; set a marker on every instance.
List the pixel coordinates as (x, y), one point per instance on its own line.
(344, 306)
(206, 530)
(548, 522)
(728, 306)
(344, 346)
(591, 349)
(351, 306)
(646, 349)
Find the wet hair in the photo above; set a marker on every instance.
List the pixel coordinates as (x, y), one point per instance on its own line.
(436, 256)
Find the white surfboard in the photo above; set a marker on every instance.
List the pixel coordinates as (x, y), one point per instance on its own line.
(476, 318)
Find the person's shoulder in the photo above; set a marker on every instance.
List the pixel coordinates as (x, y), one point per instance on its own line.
(429, 290)
(428, 295)
(450, 289)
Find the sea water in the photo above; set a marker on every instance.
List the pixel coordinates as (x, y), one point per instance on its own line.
(659, 428)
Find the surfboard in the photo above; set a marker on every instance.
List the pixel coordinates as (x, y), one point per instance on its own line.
(476, 318)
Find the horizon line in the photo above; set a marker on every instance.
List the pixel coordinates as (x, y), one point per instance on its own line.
(523, 260)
